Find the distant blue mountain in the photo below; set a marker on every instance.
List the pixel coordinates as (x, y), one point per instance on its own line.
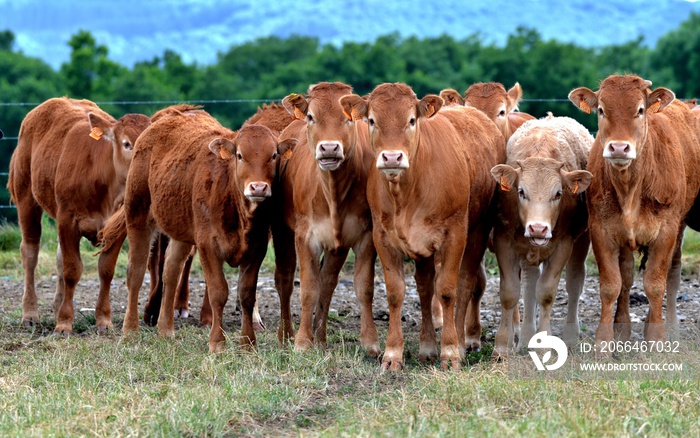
(137, 30)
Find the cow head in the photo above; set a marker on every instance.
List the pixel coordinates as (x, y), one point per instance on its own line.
(541, 185)
(492, 99)
(330, 132)
(393, 114)
(623, 104)
(122, 135)
(254, 154)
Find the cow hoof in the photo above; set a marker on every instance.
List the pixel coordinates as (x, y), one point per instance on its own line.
(391, 366)
(103, 330)
(498, 357)
(258, 326)
(167, 333)
(28, 323)
(451, 364)
(217, 347)
(61, 333)
(373, 351)
(181, 313)
(150, 320)
(473, 349)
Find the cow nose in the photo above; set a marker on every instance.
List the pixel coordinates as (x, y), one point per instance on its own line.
(329, 148)
(392, 159)
(619, 149)
(538, 230)
(258, 188)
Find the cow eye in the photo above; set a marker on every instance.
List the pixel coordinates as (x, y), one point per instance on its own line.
(412, 122)
(239, 156)
(557, 196)
(126, 144)
(601, 113)
(371, 122)
(310, 118)
(640, 113)
(274, 157)
(502, 113)
(521, 193)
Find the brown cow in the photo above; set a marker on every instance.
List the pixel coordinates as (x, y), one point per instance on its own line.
(427, 184)
(326, 177)
(275, 117)
(77, 180)
(542, 219)
(643, 163)
(492, 99)
(204, 185)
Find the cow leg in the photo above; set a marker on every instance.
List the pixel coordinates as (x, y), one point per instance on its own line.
(69, 241)
(575, 276)
(392, 265)
(623, 327)
(29, 218)
(673, 283)
(472, 283)
(217, 290)
(365, 256)
(139, 232)
(247, 285)
(425, 283)
(509, 292)
(205, 316)
(105, 265)
(328, 279)
(285, 266)
(446, 282)
(309, 273)
(549, 281)
(175, 257)
(607, 257)
(60, 281)
(530, 277)
(156, 260)
(660, 255)
(182, 296)
(436, 310)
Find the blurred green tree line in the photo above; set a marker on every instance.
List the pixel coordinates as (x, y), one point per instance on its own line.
(267, 69)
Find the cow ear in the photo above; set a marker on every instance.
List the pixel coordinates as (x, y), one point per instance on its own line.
(505, 176)
(222, 148)
(514, 96)
(354, 106)
(286, 147)
(585, 99)
(297, 105)
(452, 97)
(659, 99)
(100, 127)
(430, 105)
(576, 181)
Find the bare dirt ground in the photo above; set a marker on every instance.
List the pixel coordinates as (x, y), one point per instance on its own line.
(344, 304)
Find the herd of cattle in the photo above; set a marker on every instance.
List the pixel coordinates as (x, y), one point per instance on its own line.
(438, 180)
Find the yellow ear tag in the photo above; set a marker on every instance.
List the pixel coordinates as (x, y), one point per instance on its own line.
(287, 155)
(431, 111)
(574, 189)
(96, 133)
(345, 113)
(224, 154)
(584, 107)
(298, 114)
(654, 107)
(504, 184)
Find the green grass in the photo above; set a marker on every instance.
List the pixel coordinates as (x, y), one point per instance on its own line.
(106, 386)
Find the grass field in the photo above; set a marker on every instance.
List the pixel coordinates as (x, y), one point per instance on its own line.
(108, 386)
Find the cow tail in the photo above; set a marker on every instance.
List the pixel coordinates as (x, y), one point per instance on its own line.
(114, 230)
